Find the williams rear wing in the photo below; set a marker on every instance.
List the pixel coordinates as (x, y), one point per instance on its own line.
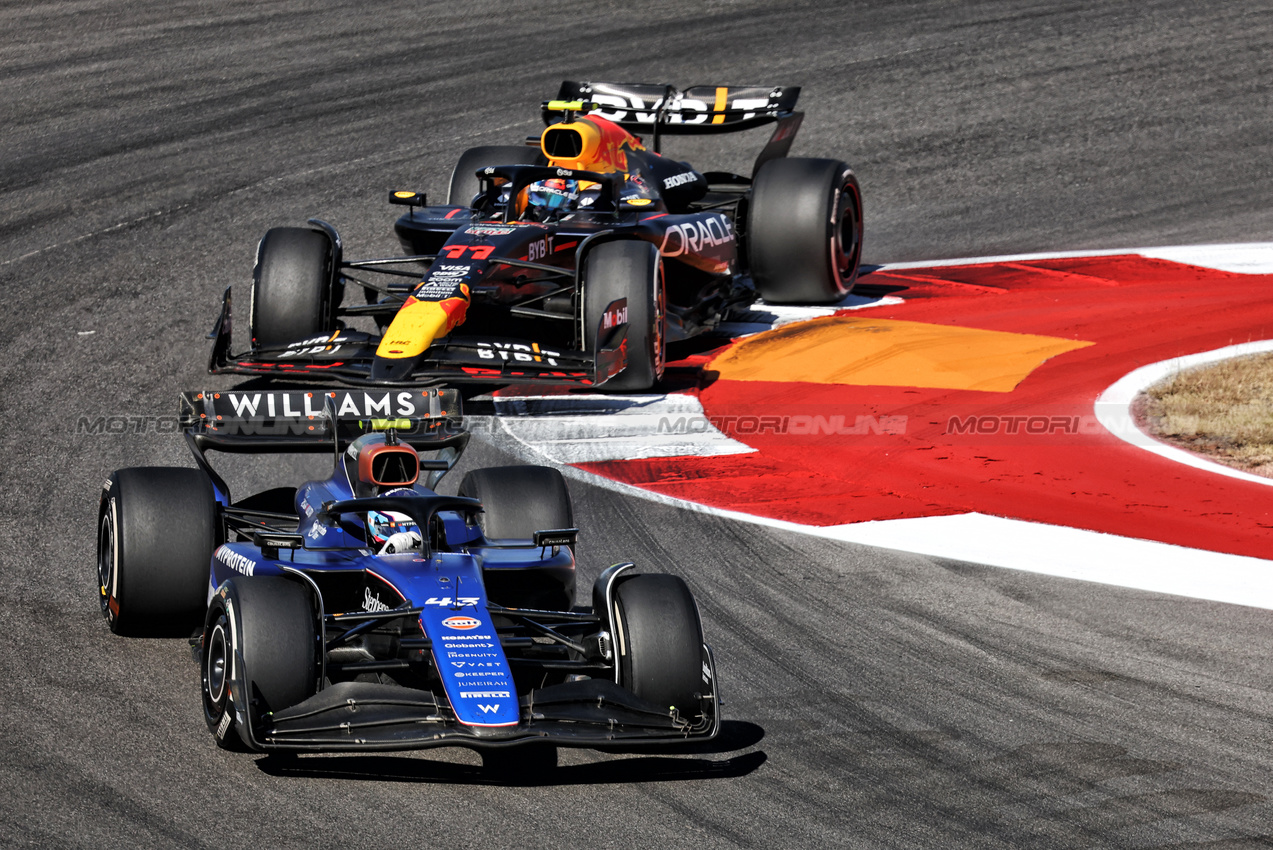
(318, 419)
(663, 109)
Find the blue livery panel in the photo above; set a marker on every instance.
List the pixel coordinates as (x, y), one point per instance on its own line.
(466, 648)
(471, 664)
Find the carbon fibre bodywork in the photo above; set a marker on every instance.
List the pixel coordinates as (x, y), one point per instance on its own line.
(495, 290)
(467, 640)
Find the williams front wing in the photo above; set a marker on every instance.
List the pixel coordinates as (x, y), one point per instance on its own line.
(352, 716)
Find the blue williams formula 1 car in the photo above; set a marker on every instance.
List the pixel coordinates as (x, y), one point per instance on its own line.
(364, 611)
(574, 259)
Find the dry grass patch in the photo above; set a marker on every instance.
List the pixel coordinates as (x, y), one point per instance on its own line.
(1223, 411)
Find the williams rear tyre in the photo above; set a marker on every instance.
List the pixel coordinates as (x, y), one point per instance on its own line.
(660, 641)
(157, 530)
(295, 289)
(804, 231)
(631, 269)
(261, 653)
(464, 182)
(517, 501)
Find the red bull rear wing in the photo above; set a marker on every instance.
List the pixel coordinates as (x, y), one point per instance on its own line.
(662, 109)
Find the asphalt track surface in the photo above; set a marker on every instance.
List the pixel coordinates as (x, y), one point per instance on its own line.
(874, 699)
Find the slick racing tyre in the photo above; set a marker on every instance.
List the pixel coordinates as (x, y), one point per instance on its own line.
(517, 501)
(295, 292)
(631, 269)
(660, 641)
(804, 231)
(464, 182)
(157, 529)
(261, 653)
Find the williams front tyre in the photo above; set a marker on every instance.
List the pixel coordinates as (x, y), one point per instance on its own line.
(261, 653)
(660, 641)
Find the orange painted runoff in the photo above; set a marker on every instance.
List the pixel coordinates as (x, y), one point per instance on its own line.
(890, 352)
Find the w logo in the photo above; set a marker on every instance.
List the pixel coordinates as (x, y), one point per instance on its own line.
(489, 709)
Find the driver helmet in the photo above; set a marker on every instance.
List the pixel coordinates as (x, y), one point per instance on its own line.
(381, 525)
(549, 196)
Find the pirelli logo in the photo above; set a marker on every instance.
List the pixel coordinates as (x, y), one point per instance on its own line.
(485, 695)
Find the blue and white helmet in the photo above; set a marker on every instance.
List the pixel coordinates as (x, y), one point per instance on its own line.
(381, 525)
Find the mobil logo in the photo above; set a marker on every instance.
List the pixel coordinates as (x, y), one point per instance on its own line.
(461, 623)
(616, 314)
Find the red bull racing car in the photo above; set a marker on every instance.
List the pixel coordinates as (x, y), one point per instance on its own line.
(364, 611)
(575, 258)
